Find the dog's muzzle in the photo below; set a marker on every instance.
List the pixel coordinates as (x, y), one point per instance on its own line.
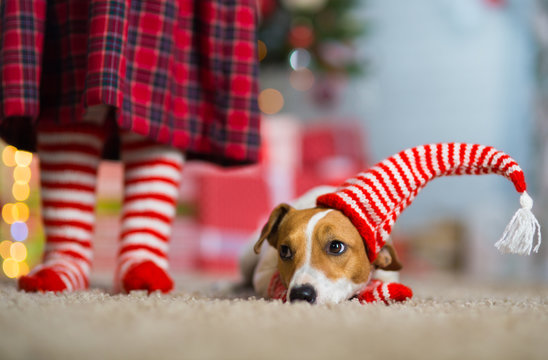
(304, 292)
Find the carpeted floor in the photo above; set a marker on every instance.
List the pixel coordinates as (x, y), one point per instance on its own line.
(447, 319)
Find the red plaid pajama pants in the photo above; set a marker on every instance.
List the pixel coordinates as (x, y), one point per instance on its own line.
(182, 73)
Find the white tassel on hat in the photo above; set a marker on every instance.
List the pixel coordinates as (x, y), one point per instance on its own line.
(519, 235)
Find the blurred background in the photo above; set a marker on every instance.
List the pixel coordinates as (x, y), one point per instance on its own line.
(344, 84)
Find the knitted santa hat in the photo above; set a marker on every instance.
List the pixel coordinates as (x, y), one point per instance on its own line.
(374, 199)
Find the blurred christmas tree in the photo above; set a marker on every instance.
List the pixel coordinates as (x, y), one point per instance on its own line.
(317, 35)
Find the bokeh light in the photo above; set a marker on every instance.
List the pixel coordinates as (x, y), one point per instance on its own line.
(301, 36)
(271, 101)
(5, 247)
(299, 59)
(312, 6)
(23, 158)
(7, 213)
(18, 251)
(21, 174)
(20, 212)
(11, 268)
(23, 269)
(20, 191)
(19, 231)
(8, 156)
(302, 80)
(261, 49)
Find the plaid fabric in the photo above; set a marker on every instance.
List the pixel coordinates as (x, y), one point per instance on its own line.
(21, 36)
(180, 72)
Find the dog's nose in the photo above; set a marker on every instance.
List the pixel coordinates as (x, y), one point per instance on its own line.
(304, 292)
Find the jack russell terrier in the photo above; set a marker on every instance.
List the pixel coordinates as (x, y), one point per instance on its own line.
(333, 244)
(319, 255)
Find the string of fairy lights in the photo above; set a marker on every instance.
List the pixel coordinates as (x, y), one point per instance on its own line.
(15, 214)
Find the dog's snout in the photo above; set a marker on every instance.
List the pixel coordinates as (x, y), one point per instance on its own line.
(304, 292)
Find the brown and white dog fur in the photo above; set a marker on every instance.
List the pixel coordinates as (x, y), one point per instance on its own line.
(318, 252)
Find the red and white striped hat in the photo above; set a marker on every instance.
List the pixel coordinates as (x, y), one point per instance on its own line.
(374, 199)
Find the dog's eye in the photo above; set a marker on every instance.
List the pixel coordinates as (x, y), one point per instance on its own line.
(336, 247)
(285, 252)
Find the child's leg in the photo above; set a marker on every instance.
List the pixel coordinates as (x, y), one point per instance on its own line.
(151, 178)
(69, 157)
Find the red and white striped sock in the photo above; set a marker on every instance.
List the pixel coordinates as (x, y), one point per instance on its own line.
(152, 174)
(69, 158)
(386, 292)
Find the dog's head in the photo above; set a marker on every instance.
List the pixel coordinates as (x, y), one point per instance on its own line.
(321, 256)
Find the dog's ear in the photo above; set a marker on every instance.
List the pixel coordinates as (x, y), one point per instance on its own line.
(387, 259)
(271, 227)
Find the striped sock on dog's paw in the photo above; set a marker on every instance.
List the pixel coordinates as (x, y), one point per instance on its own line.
(152, 176)
(386, 292)
(69, 158)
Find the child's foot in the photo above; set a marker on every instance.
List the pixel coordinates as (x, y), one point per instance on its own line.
(54, 278)
(146, 275)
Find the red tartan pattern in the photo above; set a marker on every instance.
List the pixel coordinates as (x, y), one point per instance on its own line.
(181, 72)
(374, 199)
(376, 291)
(21, 36)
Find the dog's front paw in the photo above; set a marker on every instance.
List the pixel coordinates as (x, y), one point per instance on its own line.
(389, 293)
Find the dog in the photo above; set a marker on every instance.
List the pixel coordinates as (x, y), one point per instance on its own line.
(319, 254)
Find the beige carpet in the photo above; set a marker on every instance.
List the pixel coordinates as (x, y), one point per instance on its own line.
(447, 319)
